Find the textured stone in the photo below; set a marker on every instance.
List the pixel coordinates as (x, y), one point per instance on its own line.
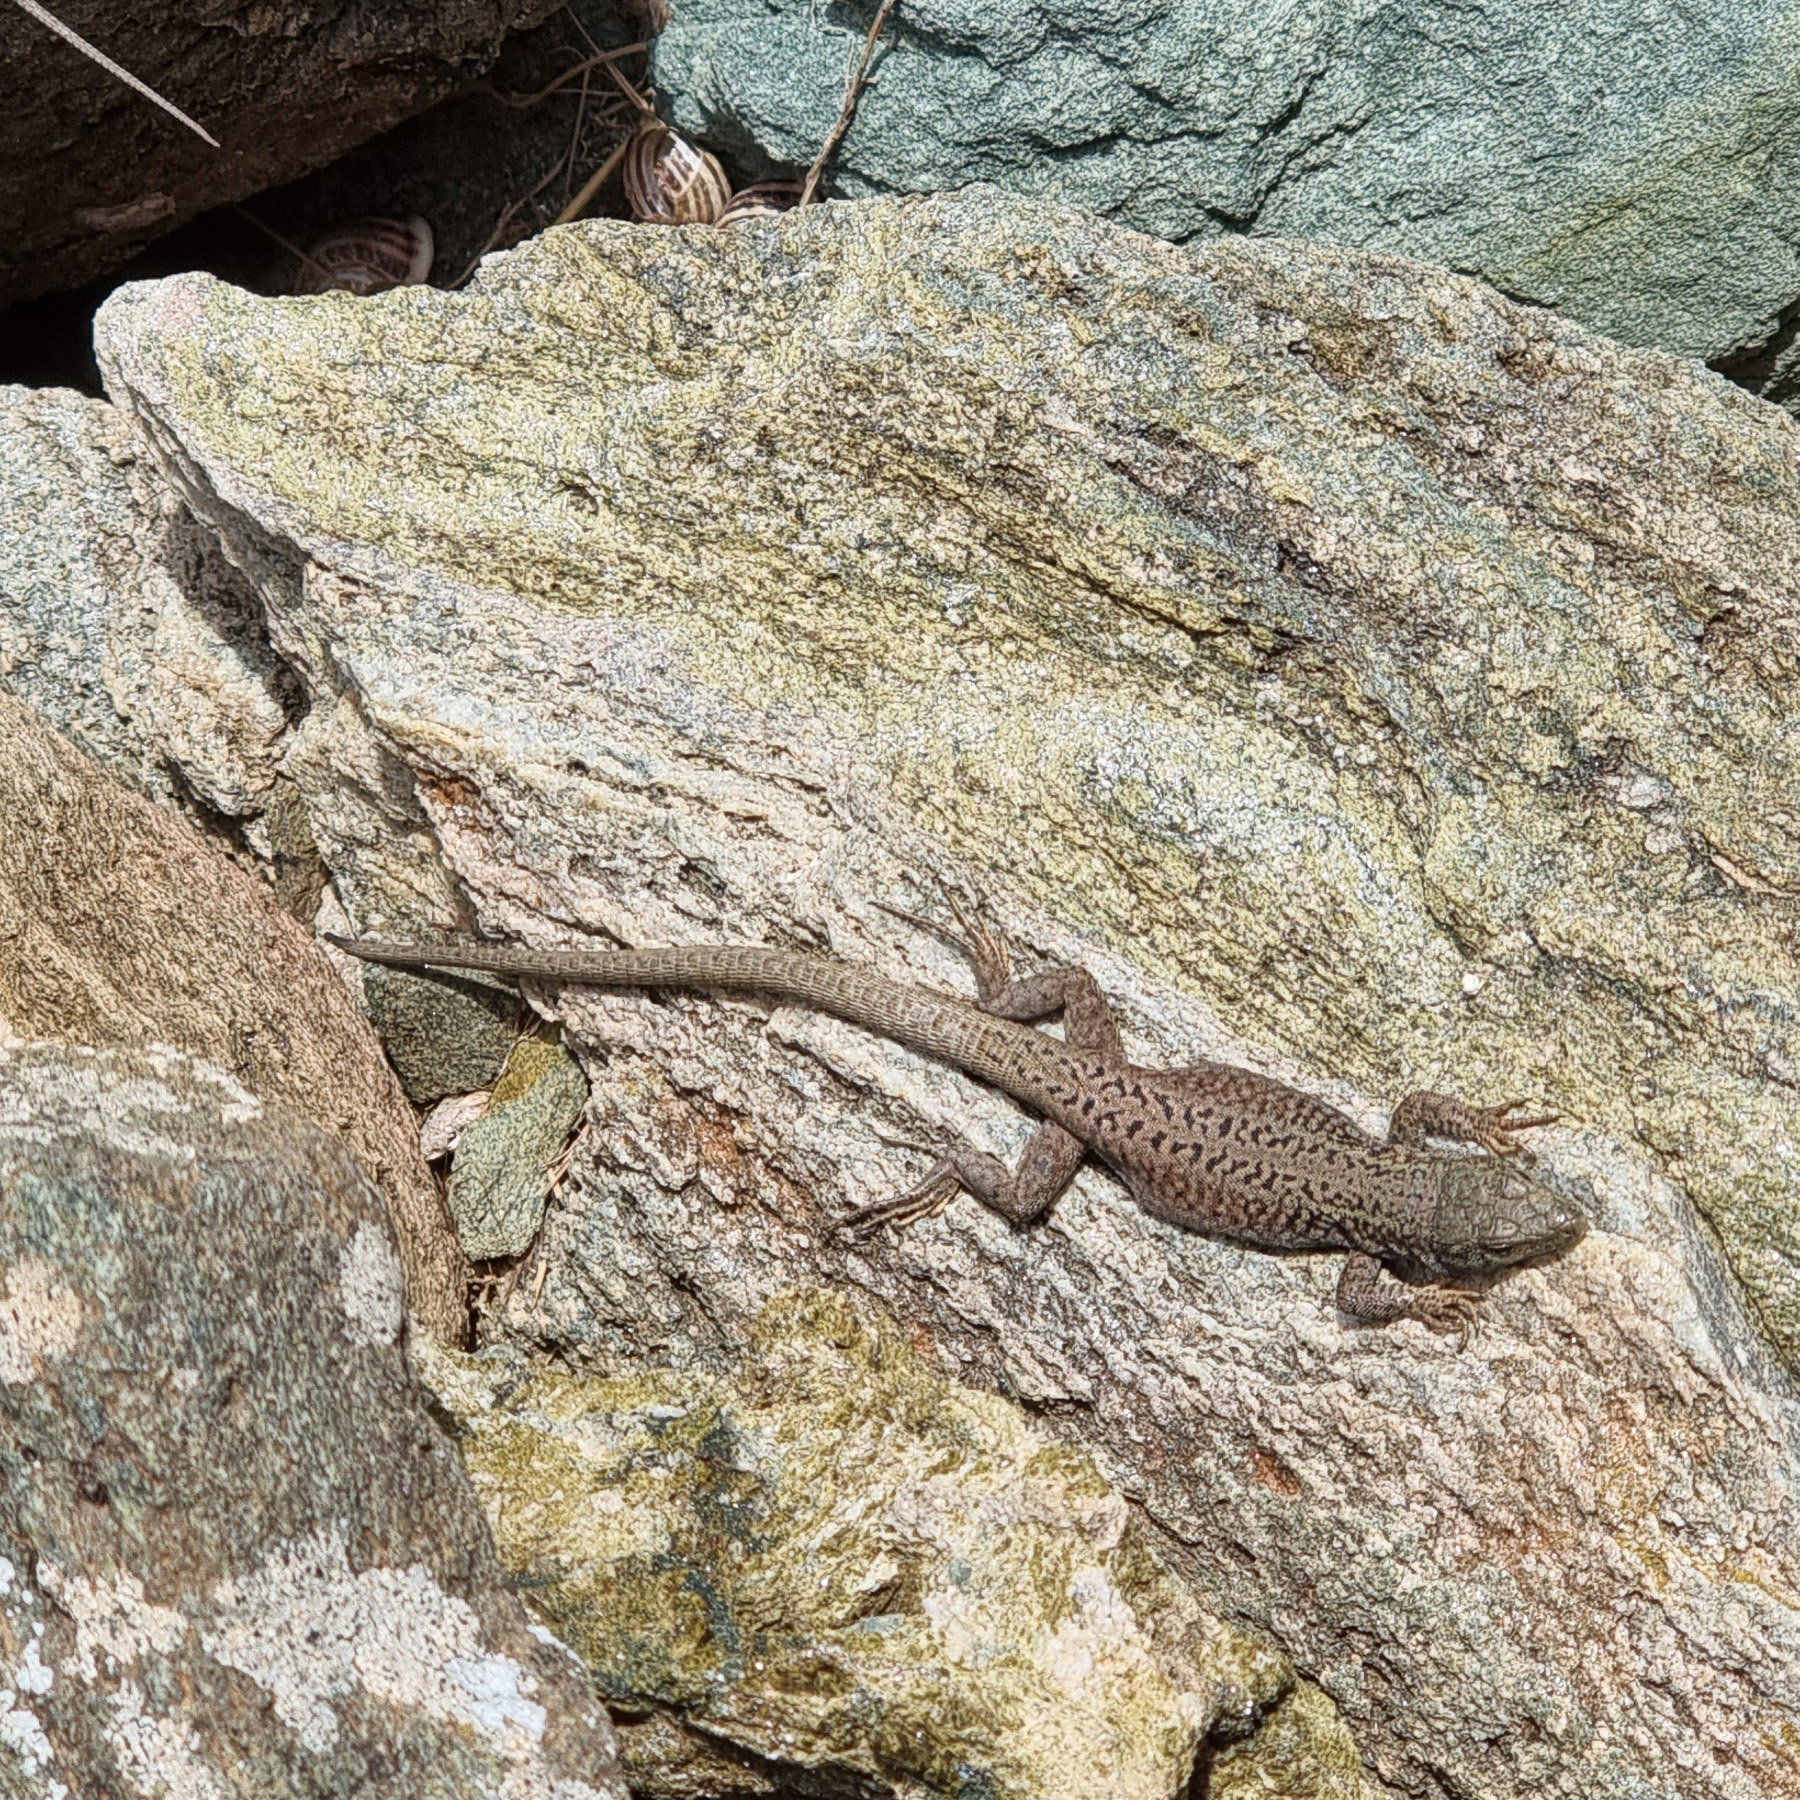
(119, 925)
(444, 1034)
(1374, 681)
(1636, 164)
(122, 623)
(500, 1174)
(89, 170)
(237, 1557)
(834, 1557)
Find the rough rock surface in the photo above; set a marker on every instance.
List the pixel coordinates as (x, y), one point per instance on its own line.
(1372, 680)
(444, 1034)
(120, 621)
(237, 1557)
(1634, 163)
(89, 169)
(833, 1556)
(119, 925)
(501, 1172)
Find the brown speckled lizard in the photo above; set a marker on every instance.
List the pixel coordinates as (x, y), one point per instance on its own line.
(1211, 1148)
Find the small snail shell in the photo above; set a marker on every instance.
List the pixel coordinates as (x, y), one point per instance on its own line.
(760, 201)
(368, 256)
(669, 182)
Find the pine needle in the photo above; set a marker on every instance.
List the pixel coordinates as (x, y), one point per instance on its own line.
(112, 68)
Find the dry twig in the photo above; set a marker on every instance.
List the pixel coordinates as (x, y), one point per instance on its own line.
(852, 89)
(112, 68)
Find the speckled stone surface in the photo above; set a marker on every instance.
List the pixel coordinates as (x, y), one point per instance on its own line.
(1374, 681)
(237, 1556)
(832, 1556)
(500, 1174)
(1634, 162)
(444, 1034)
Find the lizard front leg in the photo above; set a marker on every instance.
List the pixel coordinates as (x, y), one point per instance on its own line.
(1426, 1115)
(1368, 1292)
(1051, 1155)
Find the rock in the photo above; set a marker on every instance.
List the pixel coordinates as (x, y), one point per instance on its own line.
(123, 624)
(239, 1557)
(119, 926)
(500, 1174)
(444, 1034)
(834, 1557)
(1639, 176)
(1374, 681)
(93, 170)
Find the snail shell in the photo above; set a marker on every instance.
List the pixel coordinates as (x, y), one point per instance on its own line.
(761, 201)
(368, 256)
(669, 182)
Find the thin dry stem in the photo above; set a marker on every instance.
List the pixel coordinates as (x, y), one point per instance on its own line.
(593, 184)
(113, 69)
(852, 90)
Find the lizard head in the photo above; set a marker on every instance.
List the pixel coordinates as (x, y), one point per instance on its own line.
(1492, 1214)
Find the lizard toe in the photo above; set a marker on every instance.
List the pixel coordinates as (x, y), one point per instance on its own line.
(940, 1186)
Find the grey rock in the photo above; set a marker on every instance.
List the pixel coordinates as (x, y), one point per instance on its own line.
(90, 170)
(500, 1174)
(124, 625)
(1634, 164)
(119, 925)
(237, 1557)
(1375, 682)
(444, 1034)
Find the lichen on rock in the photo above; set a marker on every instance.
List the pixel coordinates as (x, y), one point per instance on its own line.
(832, 1556)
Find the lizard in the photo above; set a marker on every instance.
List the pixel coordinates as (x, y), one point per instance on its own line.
(1211, 1148)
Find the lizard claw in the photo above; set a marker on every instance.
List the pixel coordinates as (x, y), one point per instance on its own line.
(1497, 1129)
(1446, 1310)
(925, 1201)
(987, 951)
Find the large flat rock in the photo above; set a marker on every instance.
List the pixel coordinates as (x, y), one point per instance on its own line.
(1632, 163)
(1371, 679)
(237, 1555)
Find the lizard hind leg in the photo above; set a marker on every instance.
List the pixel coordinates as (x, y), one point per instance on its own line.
(1050, 1159)
(1366, 1291)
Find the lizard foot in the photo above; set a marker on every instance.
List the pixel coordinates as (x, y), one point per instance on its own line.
(1445, 1310)
(1496, 1128)
(929, 1198)
(987, 952)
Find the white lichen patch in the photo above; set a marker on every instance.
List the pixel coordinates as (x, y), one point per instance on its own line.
(159, 1756)
(371, 1288)
(21, 1733)
(115, 1626)
(310, 1630)
(40, 1319)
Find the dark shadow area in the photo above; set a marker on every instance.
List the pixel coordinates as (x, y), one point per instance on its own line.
(485, 168)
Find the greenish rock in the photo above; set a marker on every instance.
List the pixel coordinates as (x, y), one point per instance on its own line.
(1373, 681)
(1634, 164)
(238, 1557)
(833, 1556)
(1299, 1751)
(444, 1034)
(500, 1174)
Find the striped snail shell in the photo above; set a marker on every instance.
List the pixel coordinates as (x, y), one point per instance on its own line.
(669, 182)
(368, 256)
(761, 200)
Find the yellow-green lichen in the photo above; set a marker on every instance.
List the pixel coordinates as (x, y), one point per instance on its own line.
(832, 1555)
